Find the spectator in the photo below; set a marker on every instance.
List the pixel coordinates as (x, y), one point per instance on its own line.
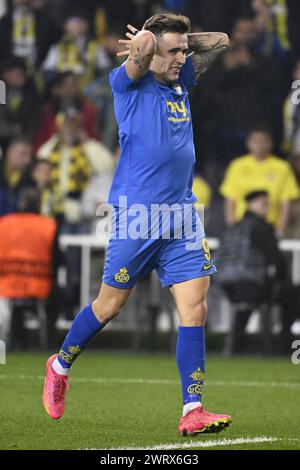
(75, 52)
(99, 93)
(267, 42)
(202, 191)
(27, 31)
(257, 31)
(38, 176)
(29, 258)
(260, 170)
(291, 118)
(293, 228)
(293, 26)
(128, 11)
(242, 90)
(20, 114)
(3, 8)
(244, 32)
(216, 15)
(271, 17)
(253, 272)
(65, 95)
(75, 159)
(267, 52)
(12, 166)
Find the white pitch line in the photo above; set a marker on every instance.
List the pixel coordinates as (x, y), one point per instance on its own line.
(212, 383)
(204, 444)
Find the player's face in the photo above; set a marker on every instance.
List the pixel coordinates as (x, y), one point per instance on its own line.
(173, 48)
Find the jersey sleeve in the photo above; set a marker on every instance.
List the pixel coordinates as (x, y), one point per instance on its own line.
(187, 74)
(120, 82)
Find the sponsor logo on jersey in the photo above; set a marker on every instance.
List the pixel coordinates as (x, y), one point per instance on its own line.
(179, 111)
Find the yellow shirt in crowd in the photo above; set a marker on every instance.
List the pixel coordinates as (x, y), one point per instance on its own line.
(202, 191)
(12, 177)
(274, 175)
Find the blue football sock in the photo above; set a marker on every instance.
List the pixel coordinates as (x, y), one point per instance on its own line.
(84, 327)
(190, 357)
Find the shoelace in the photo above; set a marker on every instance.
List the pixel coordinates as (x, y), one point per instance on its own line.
(59, 388)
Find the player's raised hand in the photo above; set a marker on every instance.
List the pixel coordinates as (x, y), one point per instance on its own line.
(126, 42)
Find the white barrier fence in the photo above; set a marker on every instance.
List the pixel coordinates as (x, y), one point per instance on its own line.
(87, 243)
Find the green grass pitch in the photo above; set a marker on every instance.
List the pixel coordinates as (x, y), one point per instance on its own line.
(119, 400)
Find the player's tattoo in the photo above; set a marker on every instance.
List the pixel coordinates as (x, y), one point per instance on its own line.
(204, 55)
(138, 58)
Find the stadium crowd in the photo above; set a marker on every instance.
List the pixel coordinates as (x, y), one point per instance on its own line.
(58, 134)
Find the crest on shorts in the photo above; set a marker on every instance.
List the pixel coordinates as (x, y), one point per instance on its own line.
(198, 375)
(122, 276)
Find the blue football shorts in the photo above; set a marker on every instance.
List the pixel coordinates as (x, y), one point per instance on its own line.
(172, 243)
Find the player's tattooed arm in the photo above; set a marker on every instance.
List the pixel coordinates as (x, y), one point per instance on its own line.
(138, 58)
(205, 49)
(140, 49)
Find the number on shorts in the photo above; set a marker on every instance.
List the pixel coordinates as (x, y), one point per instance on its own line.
(206, 249)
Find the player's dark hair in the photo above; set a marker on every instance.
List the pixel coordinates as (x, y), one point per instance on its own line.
(168, 23)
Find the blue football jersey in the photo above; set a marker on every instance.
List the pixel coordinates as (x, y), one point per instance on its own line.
(157, 159)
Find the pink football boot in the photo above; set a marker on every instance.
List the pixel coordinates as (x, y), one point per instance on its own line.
(54, 392)
(199, 420)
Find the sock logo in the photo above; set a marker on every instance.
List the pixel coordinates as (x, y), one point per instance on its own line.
(198, 375)
(122, 276)
(70, 357)
(74, 350)
(197, 388)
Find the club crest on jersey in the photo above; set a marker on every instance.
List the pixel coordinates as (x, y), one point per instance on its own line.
(122, 276)
(178, 89)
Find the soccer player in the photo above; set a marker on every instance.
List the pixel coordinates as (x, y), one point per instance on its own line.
(156, 167)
